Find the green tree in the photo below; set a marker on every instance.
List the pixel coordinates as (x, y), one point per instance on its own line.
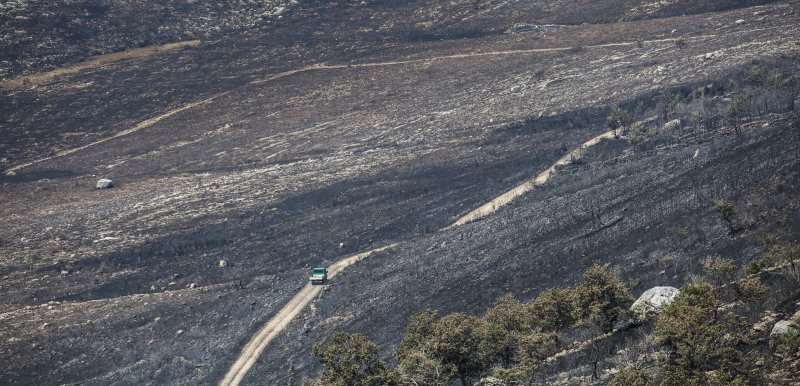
(618, 118)
(501, 330)
(756, 76)
(601, 297)
(736, 111)
(718, 270)
(351, 359)
(630, 377)
(704, 342)
(446, 348)
(552, 310)
(414, 354)
(533, 350)
(418, 368)
(750, 289)
(455, 342)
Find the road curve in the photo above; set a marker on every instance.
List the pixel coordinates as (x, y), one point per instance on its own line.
(252, 350)
(278, 323)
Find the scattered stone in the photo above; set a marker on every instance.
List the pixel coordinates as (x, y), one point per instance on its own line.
(64, 272)
(223, 263)
(45, 325)
(490, 381)
(765, 322)
(179, 332)
(104, 183)
(672, 125)
(341, 245)
(784, 327)
(192, 285)
(740, 21)
(176, 276)
(652, 301)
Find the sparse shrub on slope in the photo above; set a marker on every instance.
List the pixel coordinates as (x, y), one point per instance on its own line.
(618, 118)
(727, 210)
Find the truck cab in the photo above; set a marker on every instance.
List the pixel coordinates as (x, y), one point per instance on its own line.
(319, 275)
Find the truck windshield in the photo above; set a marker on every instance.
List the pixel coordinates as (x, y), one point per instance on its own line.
(318, 271)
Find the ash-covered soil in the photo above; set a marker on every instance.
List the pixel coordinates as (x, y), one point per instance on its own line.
(343, 126)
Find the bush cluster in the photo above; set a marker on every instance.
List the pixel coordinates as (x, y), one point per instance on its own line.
(511, 341)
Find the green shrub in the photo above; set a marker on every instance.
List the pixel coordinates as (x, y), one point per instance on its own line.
(704, 342)
(449, 346)
(630, 377)
(350, 359)
(601, 297)
(553, 309)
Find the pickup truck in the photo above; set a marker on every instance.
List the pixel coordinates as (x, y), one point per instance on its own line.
(319, 276)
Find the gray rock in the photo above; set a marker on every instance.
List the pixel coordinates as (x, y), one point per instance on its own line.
(223, 263)
(672, 125)
(490, 381)
(784, 327)
(104, 183)
(652, 301)
(622, 323)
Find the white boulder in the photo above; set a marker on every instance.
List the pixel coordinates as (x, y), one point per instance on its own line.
(104, 183)
(652, 301)
(672, 125)
(784, 327)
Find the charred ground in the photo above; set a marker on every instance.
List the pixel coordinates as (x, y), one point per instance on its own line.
(422, 114)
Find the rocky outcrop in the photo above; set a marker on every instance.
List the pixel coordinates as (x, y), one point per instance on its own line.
(652, 301)
(490, 381)
(784, 327)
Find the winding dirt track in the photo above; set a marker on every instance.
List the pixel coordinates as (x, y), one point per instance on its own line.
(281, 320)
(278, 323)
(253, 349)
(323, 66)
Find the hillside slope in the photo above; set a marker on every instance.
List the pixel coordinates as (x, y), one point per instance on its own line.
(339, 127)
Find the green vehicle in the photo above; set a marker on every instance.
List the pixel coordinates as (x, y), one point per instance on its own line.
(319, 275)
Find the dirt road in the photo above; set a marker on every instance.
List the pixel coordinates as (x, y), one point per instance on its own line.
(281, 320)
(278, 323)
(325, 66)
